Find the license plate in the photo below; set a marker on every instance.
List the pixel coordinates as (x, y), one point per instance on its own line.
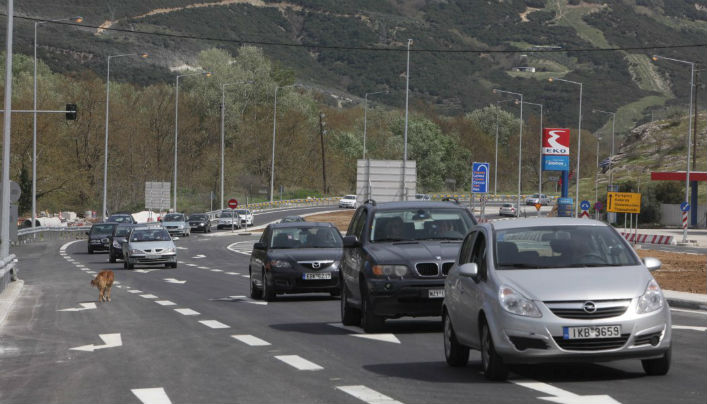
(599, 331)
(435, 293)
(316, 275)
(152, 256)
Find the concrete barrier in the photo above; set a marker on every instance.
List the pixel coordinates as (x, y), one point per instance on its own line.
(8, 271)
(648, 238)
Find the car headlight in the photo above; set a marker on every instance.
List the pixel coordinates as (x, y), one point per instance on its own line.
(116, 244)
(280, 264)
(105, 240)
(169, 250)
(651, 300)
(202, 224)
(514, 302)
(390, 270)
(136, 251)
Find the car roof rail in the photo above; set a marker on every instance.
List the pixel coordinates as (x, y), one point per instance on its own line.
(450, 199)
(370, 202)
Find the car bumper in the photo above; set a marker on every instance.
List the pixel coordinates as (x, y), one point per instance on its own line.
(99, 246)
(521, 340)
(293, 282)
(405, 298)
(199, 227)
(143, 260)
(347, 205)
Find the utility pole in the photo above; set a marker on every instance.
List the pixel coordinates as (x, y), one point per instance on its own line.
(322, 132)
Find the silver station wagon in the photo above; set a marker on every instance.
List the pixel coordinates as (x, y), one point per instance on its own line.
(553, 290)
(149, 245)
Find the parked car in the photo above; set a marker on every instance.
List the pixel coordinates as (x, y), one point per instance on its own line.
(507, 209)
(121, 218)
(119, 236)
(553, 290)
(200, 222)
(295, 258)
(292, 219)
(176, 224)
(228, 219)
(246, 216)
(149, 245)
(396, 256)
(99, 236)
(348, 201)
(538, 198)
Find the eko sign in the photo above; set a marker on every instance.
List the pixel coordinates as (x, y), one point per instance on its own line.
(556, 149)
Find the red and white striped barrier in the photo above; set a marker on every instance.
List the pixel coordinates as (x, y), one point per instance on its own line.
(684, 220)
(648, 238)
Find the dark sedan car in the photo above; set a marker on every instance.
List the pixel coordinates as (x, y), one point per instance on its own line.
(121, 218)
(119, 236)
(296, 258)
(99, 236)
(396, 257)
(200, 222)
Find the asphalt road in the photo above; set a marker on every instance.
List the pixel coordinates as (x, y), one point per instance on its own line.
(190, 335)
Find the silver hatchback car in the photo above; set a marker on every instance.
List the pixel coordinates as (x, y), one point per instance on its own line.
(553, 290)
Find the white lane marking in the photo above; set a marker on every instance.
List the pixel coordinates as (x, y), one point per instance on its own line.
(84, 306)
(248, 300)
(203, 267)
(145, 271)
(379, 337)
(199, 256)
(91, 272)
(110, 341)
(149, 296)
(176, 281)
(187, 312)
(192, 265)
(246, 276)
(84, 269)
(182, 248)
(298, 362)
(704, 313)
(250, 340)
(80, 266)
(214, 324)
(689, 327)
(165, 303)
(217, 270)
(154, 395)
(367, 395)
(232, 273)
(66, 245)
(134, 291)
(557, 395)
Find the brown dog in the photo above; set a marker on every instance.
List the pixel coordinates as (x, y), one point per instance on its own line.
(103, 281)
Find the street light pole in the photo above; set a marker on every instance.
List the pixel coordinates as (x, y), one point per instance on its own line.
(520, 143)
(5, 198)
(405, 134)
(365, 111)
(540, 153)
(579, 140)
(274, 129)
(689, 131)
(223, 141)
(176, 128)
(495, 163)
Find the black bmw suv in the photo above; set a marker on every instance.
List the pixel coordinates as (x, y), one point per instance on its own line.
(396, 257)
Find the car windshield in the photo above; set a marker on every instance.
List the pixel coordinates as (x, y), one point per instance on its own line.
(561, 247)
(173, 217)
(507, 205)
(150, 235)
(306, 237)
(350, 197)
(242, 212)
(197, 217)
(102, 229)
(420, 224)
(122, 231)
(121, 219)
(226, 214)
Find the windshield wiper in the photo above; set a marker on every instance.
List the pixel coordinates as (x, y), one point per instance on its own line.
(519, 265)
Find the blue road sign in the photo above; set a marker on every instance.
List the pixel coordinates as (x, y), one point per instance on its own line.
(556, 163)
(564, 207)
(480, 178)
(585, 205)
(685, 207)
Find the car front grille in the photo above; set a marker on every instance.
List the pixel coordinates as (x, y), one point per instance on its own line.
(427, 269)
(593, 344)
(310, 265)
(575, 309)
(446, 267)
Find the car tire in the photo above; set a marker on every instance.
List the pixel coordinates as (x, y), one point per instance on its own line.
(111, 258)
(130, 266)
(255, 293)
(268, 291)
(125, 264)
(349, 315)
(491, 363)
(90, 250)
(456, 354)
(370, 322)
(659, 366)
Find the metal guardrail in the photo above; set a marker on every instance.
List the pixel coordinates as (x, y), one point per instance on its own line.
(43, 233)
(8, 271)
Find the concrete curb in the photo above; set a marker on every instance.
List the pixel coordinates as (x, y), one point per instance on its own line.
(684, 300)
(8, 298)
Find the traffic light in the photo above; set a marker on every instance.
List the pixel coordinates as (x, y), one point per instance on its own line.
(71, 112)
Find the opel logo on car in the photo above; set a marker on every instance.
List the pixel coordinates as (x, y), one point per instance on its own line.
(316, 265)
(590, 307)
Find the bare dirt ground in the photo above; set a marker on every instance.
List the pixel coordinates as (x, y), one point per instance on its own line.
(680, 271)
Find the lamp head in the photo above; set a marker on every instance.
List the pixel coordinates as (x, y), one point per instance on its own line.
(494, 91)
(654, 57)
(551, 79)
(207, 74)
(144, 55)
(78, 19)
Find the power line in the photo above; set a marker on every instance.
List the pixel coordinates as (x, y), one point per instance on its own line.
(369, 48)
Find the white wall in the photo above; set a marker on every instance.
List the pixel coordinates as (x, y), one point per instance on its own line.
(670, 215)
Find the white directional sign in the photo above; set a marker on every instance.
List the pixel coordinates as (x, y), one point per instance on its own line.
(157, 195)
(110, 341)
(84, 306)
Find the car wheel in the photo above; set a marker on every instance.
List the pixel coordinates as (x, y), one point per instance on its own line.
(125, 265)
(268, 292)
(349, 315)
(90, 250)
(491, 363)
(131, 266)
(370, 322)
(659, 366)
(111, 258)
(455, 353)
(255, 293)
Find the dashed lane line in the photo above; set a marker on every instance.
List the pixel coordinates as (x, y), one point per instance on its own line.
(250, 340)
(149, 296)
(134, 291)
(689, 327)
(367, 395)
(232, 273)
(217, 270)
(214, 324)
(155, 395)
(704, 313)
(298, 362)
(187, 312)
(165, 303)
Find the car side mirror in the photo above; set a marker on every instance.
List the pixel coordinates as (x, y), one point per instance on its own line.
(88, 233)
(351, 241)
(259, 246)
(470, 270)
(653, 264)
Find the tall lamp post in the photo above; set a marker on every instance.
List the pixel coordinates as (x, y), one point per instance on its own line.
(520, 142)
(611, 158)
(365, 111)
(223, 141)
(274, 129)
(689, 130)
(579, 139)
(77, 19)
(105, 151)
(176, 127)
(540, 152)
(495, 163)
(405, 133)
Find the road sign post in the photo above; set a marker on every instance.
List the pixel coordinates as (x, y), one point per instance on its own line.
(233, 204)
(623, 202)
(479, 180)
(584, 205)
